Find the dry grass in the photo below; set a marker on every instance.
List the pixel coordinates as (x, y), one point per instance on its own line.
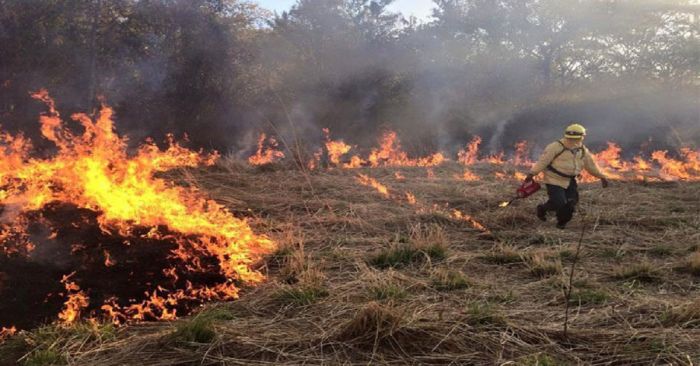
(692, 264)
(644, 271)
(542, 265)
(361, 279)
(684, 316)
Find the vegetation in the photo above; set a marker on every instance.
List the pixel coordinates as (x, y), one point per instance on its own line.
(387, 292)
(479, 314)
(541, 266)
(503, 255)
(302, 295)
(322, 289)
(448, 280)
(425, 244)
(692, 264)
(363, 278)
(589, 297)
(214, 68)
(642, 271)
(196, 330)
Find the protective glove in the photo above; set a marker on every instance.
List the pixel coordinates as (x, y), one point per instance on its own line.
(605, 183)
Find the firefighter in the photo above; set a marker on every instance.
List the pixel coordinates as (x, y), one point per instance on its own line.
(562, 161)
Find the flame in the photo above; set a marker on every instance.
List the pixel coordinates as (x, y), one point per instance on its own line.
(421, 207)
(468, 176)
(672, 169)
(355, 162)
(266, 153)
(411, 198)
(504, 204)
(522, 152)
(459, 215)
(470, 155)
(76, 302)
(93, 171)
(371, 182)
(336, 149)
(399, 176)
(7, 332)
(496, 159)
(519, 176)
(390, 153)
(108, 259)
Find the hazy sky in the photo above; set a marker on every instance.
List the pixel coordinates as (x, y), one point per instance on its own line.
(418, 8)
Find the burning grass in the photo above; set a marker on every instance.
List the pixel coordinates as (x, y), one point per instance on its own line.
(91, 213)
(443, 291)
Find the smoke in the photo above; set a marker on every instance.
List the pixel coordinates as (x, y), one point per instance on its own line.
(508, 70)
(222, 72)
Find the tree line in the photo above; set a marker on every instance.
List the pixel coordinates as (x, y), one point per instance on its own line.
(223, 70)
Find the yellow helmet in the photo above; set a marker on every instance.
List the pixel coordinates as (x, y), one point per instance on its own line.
(575, 131)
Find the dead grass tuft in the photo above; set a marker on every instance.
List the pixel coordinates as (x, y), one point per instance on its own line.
(683, 316)
(541, 265)
(483, 315)
(692, 264)
(645, 272)
(503, 255)
(427, 244)
(374, 321)
(449, 280)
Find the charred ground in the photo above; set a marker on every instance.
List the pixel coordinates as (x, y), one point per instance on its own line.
(361, 278)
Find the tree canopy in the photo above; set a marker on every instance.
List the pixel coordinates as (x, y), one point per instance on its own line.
(222, 70)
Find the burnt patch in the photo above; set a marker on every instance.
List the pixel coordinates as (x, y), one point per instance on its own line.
(110, 267)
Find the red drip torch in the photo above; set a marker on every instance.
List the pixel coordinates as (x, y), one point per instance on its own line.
(525, 190)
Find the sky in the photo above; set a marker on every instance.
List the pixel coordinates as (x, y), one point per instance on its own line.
(421, 9)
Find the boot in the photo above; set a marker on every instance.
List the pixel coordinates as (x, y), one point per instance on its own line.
(564, 215)
(541, 212)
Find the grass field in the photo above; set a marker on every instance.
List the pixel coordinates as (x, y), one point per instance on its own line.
(362, 277)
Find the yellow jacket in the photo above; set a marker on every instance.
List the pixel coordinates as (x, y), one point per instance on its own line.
(567, 163)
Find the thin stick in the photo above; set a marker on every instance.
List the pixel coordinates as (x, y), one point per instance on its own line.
(571, 275)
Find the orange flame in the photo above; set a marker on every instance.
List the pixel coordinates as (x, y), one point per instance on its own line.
(470, 155)
(411, 198)
(522, 154)
(76, 302)
(390, 153)
(108, 259)
(7, 332)
(93, 171)
(266, 153)
(519, 176)
(459, 215)
(336, 149)
(371, 182)
(468, 176)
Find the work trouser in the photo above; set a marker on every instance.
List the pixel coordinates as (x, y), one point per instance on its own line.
(562, 201)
